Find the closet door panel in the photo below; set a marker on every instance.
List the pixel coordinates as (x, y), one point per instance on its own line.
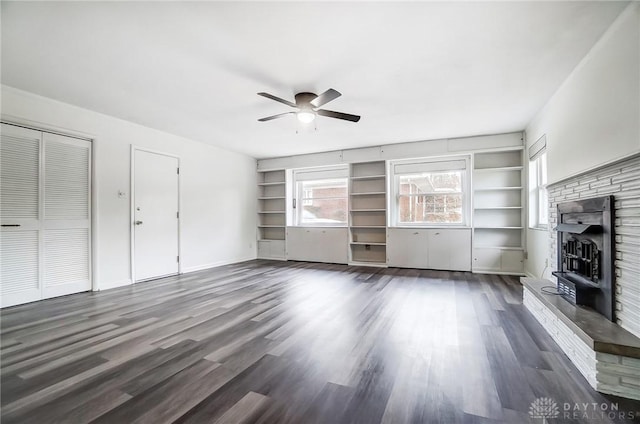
(19, 215)
(67, 200)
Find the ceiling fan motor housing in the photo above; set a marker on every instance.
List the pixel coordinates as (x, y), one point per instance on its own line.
(304, 99)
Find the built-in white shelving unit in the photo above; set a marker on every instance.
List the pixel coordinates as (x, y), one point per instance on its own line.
(498, 219)
(368, 214)
(271, 214)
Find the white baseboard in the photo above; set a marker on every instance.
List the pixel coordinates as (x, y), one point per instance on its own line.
(113, 284)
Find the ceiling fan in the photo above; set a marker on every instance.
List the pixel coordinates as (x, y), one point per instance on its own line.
(308, 104)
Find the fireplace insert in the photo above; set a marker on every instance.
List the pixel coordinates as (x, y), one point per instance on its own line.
(585, 254)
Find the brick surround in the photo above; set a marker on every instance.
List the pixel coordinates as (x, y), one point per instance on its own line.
(622, 180)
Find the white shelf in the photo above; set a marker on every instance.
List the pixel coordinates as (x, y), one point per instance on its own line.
(368, 263)
(368, 226)
(368, 209)
(369, 177)
(370, 193)
(271, 214)
(498, 212)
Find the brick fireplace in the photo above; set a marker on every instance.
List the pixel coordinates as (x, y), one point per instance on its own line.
(622, 180)
(607, 354)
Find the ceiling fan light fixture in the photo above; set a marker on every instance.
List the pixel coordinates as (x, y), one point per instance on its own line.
(306, 116)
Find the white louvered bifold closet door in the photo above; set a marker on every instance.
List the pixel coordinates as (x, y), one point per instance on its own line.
(19, 215)
(67, 215)
(46, 215)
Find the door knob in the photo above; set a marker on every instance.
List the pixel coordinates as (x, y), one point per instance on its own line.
(138, 222)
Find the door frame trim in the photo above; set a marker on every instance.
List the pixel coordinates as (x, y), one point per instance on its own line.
(132, 209)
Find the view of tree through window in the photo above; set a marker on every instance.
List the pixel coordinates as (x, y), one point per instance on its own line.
(434, 197)
(322, 202)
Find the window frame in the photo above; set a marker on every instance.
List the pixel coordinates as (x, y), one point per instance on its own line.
(394, 197)
(300, 198)
(538, 191)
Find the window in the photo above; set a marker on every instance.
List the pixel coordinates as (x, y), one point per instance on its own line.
(430, 193)
(321, 197)
(538, 199)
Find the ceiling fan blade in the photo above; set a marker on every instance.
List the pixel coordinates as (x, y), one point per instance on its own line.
(280, 115)
(278, 99)
(325, 98)
(338, 115)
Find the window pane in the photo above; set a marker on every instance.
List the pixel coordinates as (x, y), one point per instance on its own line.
(321, 189)
(433, 182)
(431, 209)
(543, 168)
(324, 211)
(322, 202)
(533, 175)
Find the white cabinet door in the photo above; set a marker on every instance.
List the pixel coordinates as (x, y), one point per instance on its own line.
(271, 249)
(512, 261)
(330, 245)
(443, 249)
(450, 249)
(407, 248)
(498, 260)
(486, 259)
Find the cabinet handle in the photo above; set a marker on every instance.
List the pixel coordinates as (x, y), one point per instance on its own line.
(416, 233)
(437, 234)
(10, 225)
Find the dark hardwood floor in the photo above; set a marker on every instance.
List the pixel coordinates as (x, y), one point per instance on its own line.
(275, 342)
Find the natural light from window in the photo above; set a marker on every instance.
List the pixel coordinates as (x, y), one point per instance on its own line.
(538, 198)
(430, 198)
(322, 202)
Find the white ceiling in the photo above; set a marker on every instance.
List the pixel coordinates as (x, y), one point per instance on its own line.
(414, 71)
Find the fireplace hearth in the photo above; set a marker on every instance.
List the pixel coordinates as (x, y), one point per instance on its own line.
(585, 254)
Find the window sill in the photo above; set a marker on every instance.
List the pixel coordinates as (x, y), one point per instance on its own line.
(546, 228)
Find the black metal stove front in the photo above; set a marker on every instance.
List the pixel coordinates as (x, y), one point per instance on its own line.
(585, 253)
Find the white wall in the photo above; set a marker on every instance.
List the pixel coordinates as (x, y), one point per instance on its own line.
(218, 187)
(594, 117)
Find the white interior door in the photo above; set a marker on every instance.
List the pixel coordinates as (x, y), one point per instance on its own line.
(46, 215)
(155, 217)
